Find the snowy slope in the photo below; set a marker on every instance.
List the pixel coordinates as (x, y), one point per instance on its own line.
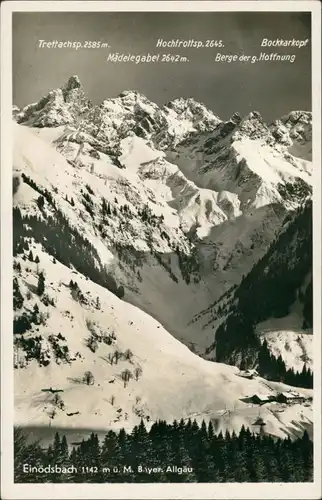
(245, 159)
(226, 230)
(172, 381)
(295, 347)
(155, 289)
(224, 196)
(287, 337)
(226, 243)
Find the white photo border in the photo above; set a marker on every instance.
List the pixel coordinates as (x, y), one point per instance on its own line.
(11, 490)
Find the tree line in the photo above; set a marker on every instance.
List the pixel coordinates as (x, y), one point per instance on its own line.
(179, 452)
(237, 343)
(274, 368)
(65, 244)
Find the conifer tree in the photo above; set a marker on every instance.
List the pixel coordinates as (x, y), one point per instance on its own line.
(230, 458)
(93, 451)
(64, 449)
(41, 284)
(56, 446)
(141, 446)
(17, 296)
(111, 451)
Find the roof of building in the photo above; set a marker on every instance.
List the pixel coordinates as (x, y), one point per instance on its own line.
(259, 421)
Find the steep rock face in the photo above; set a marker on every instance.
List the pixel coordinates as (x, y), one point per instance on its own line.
(253, 127)
(185, 116)
(295, 131)
(59, 107)
(133, 113)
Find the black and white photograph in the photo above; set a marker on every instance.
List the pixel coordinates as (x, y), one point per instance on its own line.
(162, 265)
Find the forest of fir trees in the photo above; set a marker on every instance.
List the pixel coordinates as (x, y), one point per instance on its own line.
(179, 452)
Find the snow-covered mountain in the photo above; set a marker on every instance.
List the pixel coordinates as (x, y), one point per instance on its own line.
(275, 297)
(104, 126)
(295, 131)
(59, 107)
(242, 157)
(166, 208)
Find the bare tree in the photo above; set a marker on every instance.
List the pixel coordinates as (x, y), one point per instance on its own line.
(92, 344)
(116, 356)
(88, 378)
(90, 326)
(52, 414)
(15, 184)
(126, 376)
(43, 317)
(137, 372)
(128, 354)
(58, 402)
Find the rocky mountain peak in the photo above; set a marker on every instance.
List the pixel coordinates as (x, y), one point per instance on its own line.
(60, 106)
(236, 118)
(253, 126)
(15, 110)
(72, 83)
(134, 102)
(188, 108)
(295, 117)
(294, 130)
(132, 95)
(297, 123)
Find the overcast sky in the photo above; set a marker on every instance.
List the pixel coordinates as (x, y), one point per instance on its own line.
(272, 88)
